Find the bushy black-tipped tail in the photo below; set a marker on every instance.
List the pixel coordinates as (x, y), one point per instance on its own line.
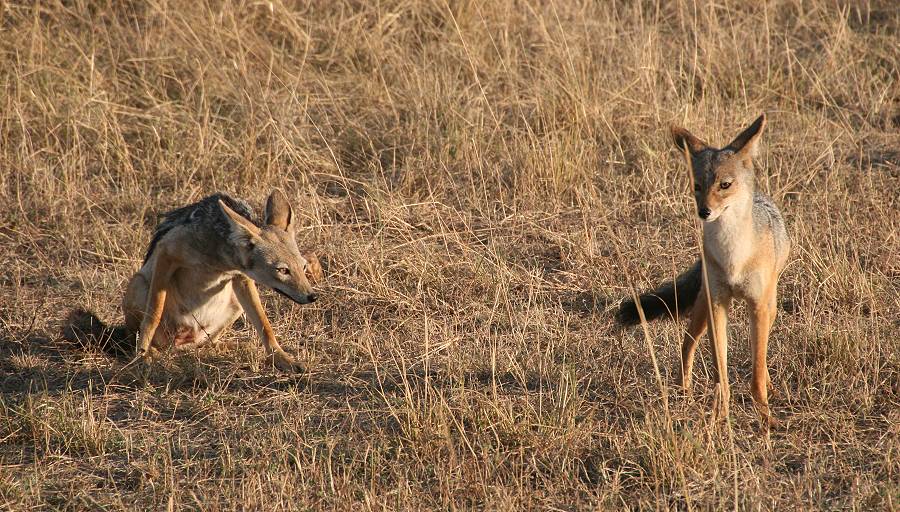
(86, 329)
(669, 300)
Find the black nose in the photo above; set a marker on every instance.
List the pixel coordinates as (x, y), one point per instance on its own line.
(704, 212)
(312, 297)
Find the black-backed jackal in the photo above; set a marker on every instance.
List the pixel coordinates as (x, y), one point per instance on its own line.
(745, 248)
(200, 273)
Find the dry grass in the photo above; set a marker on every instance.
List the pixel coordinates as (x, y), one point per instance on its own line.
(485, 180)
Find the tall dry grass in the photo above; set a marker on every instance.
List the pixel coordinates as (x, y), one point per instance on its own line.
(485, 180)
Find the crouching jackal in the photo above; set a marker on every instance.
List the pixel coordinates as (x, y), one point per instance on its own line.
(745, 248)
(200, 273)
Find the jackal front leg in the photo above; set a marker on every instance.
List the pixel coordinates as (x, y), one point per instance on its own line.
(248, 296)
(696, 328)
(718, 337)
(761, 320)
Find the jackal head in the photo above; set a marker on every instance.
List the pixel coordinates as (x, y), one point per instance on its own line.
(269, 254)
(722, 177)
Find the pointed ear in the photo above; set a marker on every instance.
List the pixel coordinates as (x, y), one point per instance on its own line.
(240, 227)
(685, 139)
(747, 142)
(314, 271)
(279, 213)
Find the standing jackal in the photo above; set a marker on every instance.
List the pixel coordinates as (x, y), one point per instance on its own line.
(200, 274)
(745, 248)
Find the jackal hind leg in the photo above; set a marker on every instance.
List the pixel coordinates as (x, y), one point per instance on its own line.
(134, 305)
(163, 269)
(135, 301)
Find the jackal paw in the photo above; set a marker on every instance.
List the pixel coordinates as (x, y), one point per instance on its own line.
(767, 420)
(684, 385)
(145, 356)
(285, 362)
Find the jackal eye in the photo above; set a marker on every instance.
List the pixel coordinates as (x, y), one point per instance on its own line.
(283, 271)
(724, 185)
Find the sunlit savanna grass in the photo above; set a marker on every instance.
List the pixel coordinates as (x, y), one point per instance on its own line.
(484, 181)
